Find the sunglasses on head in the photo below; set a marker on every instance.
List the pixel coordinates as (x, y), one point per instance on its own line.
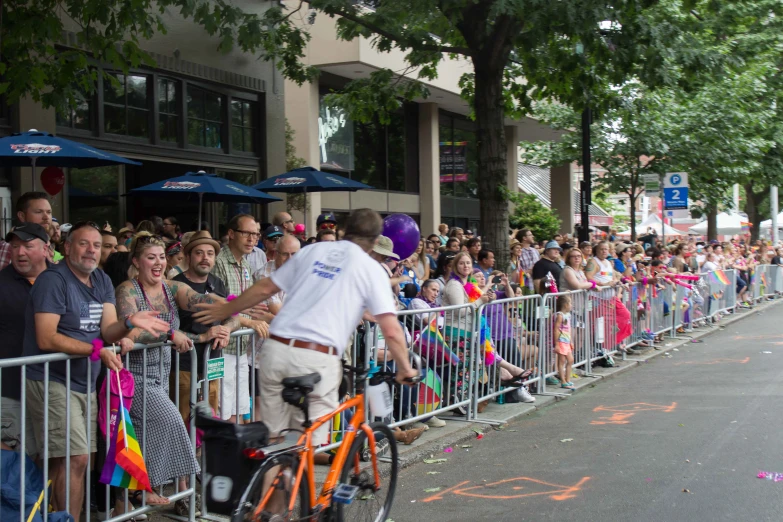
(85, 224)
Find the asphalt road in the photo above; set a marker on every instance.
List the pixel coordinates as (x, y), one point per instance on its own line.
(675, 439)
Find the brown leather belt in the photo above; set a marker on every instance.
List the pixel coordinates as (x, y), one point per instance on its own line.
(296, 343)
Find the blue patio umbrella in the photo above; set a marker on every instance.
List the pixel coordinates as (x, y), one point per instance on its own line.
(308, 179)
(41, 149)
(207, 187)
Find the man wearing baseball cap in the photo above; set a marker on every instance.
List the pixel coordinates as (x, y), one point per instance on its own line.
(548, 264)
(326, 220)
(270, 237)
(29, 246)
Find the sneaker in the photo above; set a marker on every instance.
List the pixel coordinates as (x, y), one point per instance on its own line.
(418, 425)
(524, 395)
(408, 436)
(434, 422)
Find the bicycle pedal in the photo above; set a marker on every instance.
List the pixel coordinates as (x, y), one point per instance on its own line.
(345, 493)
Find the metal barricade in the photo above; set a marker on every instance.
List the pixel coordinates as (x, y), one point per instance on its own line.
(446, 339)
(153, 361)
(514, 329)
(680, 307)
(602, 319)
(580, 333)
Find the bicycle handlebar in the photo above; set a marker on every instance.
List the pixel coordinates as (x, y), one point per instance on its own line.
(373, 372)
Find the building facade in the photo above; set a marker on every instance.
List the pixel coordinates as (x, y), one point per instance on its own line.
(196, 109)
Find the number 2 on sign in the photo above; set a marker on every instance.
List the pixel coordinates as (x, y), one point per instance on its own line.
(676, 194)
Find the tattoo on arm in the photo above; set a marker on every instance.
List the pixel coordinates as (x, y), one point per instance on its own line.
(232, 323)
(126, 305)
(196, 338)
(191, 299)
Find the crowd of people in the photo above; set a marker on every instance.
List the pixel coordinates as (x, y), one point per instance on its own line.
(76, 288)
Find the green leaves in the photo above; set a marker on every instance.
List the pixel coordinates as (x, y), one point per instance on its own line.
(531, 213)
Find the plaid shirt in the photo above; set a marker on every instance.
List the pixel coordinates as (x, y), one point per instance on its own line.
(236, 277)
(527, 258)
(5, 254)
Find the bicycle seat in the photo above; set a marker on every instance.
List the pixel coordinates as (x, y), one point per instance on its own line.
(304, 382)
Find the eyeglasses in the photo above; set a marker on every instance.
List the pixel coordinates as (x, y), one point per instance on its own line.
(247, 233)
(272, 239)
(143, 240)
(328, 225)
(288, 221)
(168, 224)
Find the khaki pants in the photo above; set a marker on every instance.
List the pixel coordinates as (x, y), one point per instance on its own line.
(79, 423)
(184, 395)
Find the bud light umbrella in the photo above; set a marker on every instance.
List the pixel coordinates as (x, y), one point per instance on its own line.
(208, 187)
(308, 179)
(41, 149)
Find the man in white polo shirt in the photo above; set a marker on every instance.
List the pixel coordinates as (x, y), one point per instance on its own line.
(328, 287)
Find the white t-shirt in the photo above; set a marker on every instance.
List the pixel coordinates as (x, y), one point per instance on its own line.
(328, 287)
(709, 266)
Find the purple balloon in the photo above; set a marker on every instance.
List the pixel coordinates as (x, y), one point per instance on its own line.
(404, 233)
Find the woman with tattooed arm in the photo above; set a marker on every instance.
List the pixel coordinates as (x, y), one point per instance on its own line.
(168, 451)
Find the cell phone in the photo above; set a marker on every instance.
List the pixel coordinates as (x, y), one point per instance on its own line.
(496, 280)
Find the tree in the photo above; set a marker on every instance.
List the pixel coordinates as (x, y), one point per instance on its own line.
(110, 33)
(530, 213)
(629, 140)
(567, 51)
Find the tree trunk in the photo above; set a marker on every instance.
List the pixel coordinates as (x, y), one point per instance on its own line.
(752, 201)
(633, 217)
(712, 223)
(492, 176)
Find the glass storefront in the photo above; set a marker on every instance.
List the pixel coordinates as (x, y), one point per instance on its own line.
(458, 171)
(382, 156)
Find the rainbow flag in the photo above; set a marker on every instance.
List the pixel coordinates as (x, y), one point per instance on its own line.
(125, 466)
(719, 276)
(764, 279)
(433, 342)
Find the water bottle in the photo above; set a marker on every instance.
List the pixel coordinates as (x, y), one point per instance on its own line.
(246, 417)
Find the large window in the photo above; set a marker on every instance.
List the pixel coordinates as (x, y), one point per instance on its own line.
(458, 158)
(382, 156)
(161, 109)
(168, 109)
(205, 118)
(78, 117)
(126, 105)
(243, 125)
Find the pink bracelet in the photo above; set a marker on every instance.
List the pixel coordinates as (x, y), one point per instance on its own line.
(97, 346)
(594, 285)
(644, 280)
(230, 298)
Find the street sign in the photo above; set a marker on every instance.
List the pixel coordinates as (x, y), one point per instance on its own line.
(678, 214)
(675, 191)
(652, 184)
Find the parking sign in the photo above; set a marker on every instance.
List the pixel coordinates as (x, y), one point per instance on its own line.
(675, 190)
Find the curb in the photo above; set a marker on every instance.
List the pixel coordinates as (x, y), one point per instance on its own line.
(410, 455)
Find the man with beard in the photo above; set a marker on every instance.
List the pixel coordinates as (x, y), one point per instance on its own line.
(201, 252)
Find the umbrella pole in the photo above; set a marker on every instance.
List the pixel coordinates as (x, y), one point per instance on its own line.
(33, 164)
(200, 200)
(305, 211)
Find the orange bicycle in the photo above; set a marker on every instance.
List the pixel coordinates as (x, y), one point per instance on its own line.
(361, 480)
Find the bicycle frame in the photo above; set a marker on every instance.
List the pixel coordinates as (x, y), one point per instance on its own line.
(307, 463)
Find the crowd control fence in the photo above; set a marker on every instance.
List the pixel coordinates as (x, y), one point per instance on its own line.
(467, 352)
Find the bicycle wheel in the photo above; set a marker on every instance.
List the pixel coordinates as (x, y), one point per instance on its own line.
(370, 504)
(282, 480)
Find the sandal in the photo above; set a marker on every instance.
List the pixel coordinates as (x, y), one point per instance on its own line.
(568, 386)
(516, 380)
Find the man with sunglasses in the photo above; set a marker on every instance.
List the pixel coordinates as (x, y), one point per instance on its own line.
(285, 222)
(326, 221)
(233, 268)
(72, 310)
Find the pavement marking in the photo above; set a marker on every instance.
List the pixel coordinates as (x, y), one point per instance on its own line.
(756, 337)
(557, 492)
(717, 361)
(623, 412)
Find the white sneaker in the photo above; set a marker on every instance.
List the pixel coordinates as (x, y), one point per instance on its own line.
(524, 395)
(434, 422)
(417, 425)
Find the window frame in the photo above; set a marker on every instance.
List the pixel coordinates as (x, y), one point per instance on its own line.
(150, 78)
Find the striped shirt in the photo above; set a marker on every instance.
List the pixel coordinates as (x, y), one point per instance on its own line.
(236, 276)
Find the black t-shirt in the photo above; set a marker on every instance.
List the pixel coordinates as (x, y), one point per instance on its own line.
(213, 285)
(13, 304)
(777, 260)
(543, 266)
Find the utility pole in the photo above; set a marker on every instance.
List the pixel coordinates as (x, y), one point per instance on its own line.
(586, 186)
(773, 202)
